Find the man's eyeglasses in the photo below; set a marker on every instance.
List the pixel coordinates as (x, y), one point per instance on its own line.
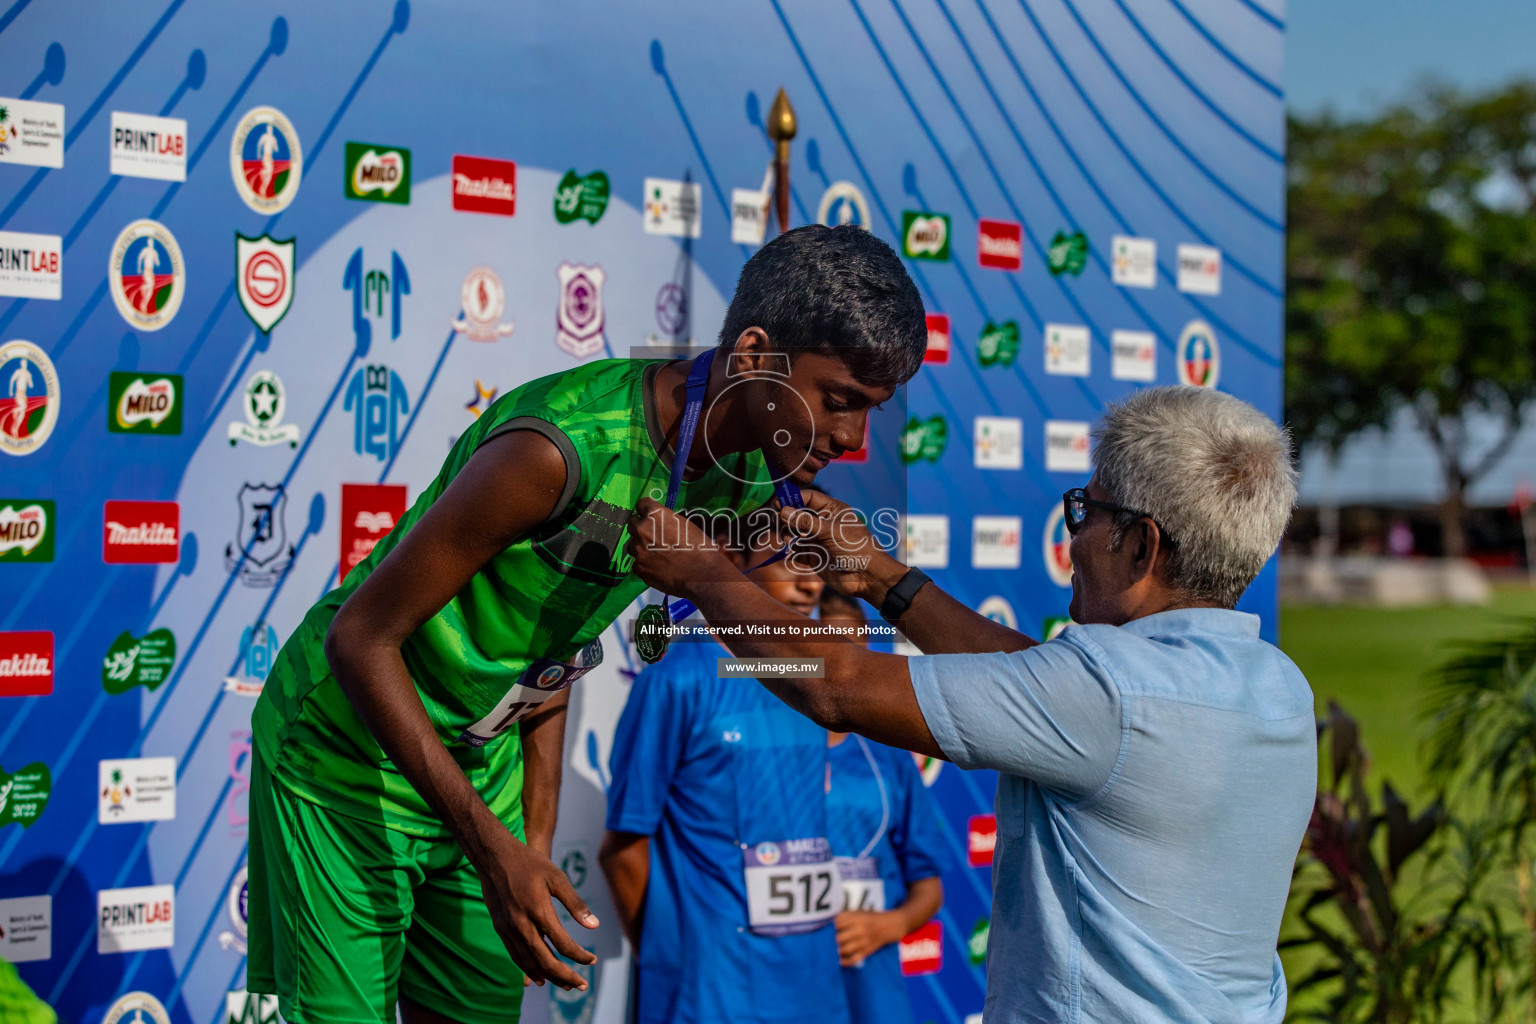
(1075, 504)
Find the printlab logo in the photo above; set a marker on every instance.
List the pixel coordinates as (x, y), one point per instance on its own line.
(484, 300)
(141, 532)
(673, 207)
(1199, 358)
(581, 198)
(31, 265)
(1200, 269)
(144, 403)
(258, 646)
(27, 414)
(378, 174)
(1068, 254)
(938, 339)
(26, 530)
(368, 512)
(925, 236)
(843, 203)
(1134, 355)
(26, 664)
(483, 185)
(1066, 446)
(149, 147)
(147, 275)
(924, 440)
(373, 289)
(264, 278)
(24, 794)
(580, 316)
(995, 542)
(377, 398)
(260, 552)
(129, 920)
(264, 405)
(237, 907)
(998, 344)
(138, 661)
(265, 160)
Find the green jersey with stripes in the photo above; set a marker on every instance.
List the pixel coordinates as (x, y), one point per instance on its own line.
(524, 627)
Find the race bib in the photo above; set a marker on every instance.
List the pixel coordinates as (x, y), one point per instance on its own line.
(792, 886)
(863, 888)
(539, 682)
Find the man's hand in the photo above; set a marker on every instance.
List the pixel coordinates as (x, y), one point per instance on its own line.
(832, 541)
(671, 553)
(861, 933)
(518, 883)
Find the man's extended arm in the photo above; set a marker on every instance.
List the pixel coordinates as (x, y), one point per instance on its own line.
(543, 738)
(510, 485)
(626, 861)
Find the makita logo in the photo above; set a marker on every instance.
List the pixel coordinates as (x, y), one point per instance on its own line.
(919, 949)
(29, 261)
(129, 140)
(137, 532)
(981, 839)
(1000, 244)
(26, 665)
(144, 533)
(483, 188)
(922, 952)
(1007, 248)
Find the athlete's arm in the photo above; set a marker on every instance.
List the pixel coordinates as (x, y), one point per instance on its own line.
(509, 486)
(626, 861)
(543, 739)
(863, 932)
(857, 566)
(863, 691)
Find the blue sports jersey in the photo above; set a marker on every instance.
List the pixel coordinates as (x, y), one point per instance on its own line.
(877, 806)
(704, 766)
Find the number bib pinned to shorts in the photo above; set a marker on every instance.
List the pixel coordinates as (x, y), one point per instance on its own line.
(863, 888)
(792, 885)
(539, 682)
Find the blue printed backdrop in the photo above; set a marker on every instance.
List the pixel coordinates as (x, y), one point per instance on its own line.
(1161, 120)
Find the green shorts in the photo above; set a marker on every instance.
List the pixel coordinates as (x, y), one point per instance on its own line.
(347, 916)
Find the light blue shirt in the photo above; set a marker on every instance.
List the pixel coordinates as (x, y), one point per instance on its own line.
(1156, 781)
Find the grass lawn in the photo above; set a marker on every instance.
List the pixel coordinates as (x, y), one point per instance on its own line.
(1375, 663)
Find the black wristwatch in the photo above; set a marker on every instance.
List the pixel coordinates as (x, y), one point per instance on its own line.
(899, 598)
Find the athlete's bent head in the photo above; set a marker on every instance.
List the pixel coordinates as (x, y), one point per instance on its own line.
(825, 325)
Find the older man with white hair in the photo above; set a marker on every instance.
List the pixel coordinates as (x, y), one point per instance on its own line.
(1157, 762)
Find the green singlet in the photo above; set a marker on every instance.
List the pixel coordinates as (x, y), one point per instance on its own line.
(524, 626)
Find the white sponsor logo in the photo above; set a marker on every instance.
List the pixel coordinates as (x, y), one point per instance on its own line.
(149, 147)
(484, 300)
(1066, 446)
(31, 133)
(136, 789)
(31, 266)
(143, 533)
(1066, 350)
(843, 203)
(25, 665)
(265, 404)
(373, 522)
(483, 188)
(1134, 355)
(999, 442)
(927, 541)
(749, 216)
(1133, 262)
(1200, 269)
(26, 929)
(146, 1009)
(995, 542)
(673, 207)
(128, 920)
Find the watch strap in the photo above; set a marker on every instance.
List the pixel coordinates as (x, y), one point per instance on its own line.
(899, 597)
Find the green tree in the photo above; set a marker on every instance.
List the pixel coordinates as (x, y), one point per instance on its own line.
(1411, 277)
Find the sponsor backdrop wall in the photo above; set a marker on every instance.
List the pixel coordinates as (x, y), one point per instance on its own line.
(261, 264)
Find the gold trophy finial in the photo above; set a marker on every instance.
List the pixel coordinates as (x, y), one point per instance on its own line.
(781, 128)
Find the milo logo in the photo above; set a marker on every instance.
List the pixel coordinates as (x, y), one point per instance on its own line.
(925, 236)
(140, 403)
(26, 530)
(380, 174)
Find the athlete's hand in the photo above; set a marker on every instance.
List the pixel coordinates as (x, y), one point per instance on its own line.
(836, 544)
(861, 933)
(671, 553)
(519, 884)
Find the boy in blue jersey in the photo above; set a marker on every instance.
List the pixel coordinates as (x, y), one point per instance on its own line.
(718, 790)
(890, 849)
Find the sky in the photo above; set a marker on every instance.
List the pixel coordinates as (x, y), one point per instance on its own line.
(1358, 55)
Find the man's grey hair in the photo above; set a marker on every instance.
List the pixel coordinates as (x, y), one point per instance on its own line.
(1212, 471)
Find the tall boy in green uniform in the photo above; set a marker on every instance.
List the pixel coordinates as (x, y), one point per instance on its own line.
(409, 738)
